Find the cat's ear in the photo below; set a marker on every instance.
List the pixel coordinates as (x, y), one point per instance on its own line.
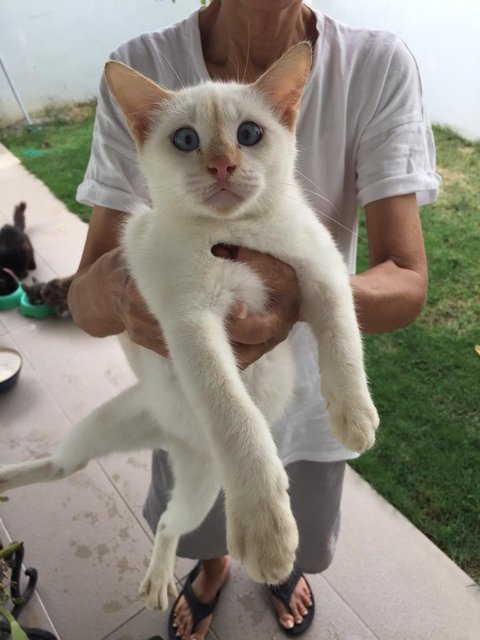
(283, 83)
(137, 96)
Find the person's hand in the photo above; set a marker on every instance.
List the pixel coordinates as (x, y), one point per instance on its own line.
(251, 336)
(254, 335)
(132, 311)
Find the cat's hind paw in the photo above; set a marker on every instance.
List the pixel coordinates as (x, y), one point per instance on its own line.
(23, 473)
(30, 472)
(265, 540)
(156, 587)
(6, 478)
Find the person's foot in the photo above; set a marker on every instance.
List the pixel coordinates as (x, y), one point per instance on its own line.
(300, 602)
(206, 585)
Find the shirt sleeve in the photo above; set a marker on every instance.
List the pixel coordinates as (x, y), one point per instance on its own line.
(113, 177)
(396, 151)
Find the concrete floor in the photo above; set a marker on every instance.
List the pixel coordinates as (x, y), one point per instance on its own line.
(86, 535)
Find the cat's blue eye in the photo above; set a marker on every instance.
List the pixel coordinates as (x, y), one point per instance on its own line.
(186, 139)
(249, 133)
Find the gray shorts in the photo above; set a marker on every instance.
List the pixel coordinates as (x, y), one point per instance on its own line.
(315, 494)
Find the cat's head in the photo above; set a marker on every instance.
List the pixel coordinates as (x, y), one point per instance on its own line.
(216, 149)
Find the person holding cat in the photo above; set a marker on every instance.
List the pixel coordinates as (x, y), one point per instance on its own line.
(364, 140)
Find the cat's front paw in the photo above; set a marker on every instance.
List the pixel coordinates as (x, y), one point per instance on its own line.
(156, 587)
(354, 422)
(262, 534)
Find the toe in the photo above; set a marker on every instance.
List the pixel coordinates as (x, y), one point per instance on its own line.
(294, 606)
(202, 629)
(287, 621)
(284, 616)
(307, 598)
(182, 625)
(299, 604)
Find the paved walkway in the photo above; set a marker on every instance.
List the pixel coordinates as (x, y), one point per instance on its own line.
(86, 535)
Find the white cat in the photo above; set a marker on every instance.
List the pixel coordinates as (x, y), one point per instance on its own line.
(219, 161)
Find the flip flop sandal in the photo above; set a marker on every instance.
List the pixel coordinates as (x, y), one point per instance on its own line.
(199, 610)
(284, 593)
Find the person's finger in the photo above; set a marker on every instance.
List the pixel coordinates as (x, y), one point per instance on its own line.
(270, 269)
(226, 251)
(149, 338)
(255, 329)
(247, 354)
(239, 311)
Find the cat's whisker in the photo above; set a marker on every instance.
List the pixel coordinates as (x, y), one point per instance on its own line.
(316, 193)
(263, 206)
(235, 62)
(167, 187)
(135, 158)
(248, 52)
(325, 215)
(182, 199)
(332, 219)
(166, 194)
(319, 193)
(167, 60)
(260, 206)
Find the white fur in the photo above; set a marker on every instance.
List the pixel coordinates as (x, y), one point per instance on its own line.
(213, 419)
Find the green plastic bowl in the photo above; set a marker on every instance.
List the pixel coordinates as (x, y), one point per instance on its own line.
(35, 310)
(11, 300)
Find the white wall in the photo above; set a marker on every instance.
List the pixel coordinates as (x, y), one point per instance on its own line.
(444, 36)
(55, 49)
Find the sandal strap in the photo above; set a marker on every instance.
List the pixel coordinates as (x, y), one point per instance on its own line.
(284, 593)
(285, 590)
(200, 610)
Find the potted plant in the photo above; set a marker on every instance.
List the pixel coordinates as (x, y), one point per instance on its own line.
(7, 589)
(12, 599)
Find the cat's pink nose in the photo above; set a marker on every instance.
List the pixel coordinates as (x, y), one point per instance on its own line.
(221, 168)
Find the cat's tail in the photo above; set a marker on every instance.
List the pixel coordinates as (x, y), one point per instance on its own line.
(19, 216)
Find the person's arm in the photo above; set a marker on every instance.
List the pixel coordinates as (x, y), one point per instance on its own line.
(102, 298)
(393, 290)
(389, 295)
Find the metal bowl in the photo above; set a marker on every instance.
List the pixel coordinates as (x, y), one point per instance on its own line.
(10, 365)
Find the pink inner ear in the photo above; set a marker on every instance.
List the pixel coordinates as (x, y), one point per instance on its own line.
(137, 96)
(283, 84)
(289, 107)
(289, 117)
(140, 127)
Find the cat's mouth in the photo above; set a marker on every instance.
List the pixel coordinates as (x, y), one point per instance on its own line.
(223, 198)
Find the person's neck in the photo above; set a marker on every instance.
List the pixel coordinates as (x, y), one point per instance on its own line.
(240, 43)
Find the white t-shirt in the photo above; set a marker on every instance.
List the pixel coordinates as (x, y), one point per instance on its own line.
(363, 134)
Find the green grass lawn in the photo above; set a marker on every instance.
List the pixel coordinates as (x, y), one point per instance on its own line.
(57, 153)
(425, 378)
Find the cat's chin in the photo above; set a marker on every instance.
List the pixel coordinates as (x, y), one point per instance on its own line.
(224, 201)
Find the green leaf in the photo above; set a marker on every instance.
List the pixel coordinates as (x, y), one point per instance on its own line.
(16, 632)
(7, 551)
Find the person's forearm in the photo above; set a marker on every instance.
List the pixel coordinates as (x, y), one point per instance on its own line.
(388, 297)
(92, 297)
